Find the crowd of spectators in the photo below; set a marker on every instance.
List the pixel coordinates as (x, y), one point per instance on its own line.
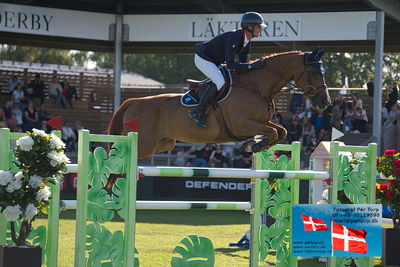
(20, 113)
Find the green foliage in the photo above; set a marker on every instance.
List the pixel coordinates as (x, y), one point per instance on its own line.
(106, 248)
(276, 200)
(195, 252)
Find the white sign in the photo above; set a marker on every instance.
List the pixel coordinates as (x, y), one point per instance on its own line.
(281, 26)
(54, 22)
(327, 26)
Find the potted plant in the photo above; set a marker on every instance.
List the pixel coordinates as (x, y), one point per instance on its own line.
(26, 194)
(388, 194)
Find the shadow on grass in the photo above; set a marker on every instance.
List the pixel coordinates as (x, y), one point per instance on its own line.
(184, 217)
(231, 252)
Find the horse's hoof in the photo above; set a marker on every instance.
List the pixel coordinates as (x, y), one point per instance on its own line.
(246, 147)
(264, 142)
(256, 148)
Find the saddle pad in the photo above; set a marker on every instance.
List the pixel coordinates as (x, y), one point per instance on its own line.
(191, 98)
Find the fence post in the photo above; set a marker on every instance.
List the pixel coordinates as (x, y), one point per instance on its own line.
(5, 166)
(81, 198)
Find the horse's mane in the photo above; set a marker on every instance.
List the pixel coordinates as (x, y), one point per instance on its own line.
(265, 58)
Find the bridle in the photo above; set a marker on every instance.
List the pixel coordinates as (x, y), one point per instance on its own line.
(309, 90)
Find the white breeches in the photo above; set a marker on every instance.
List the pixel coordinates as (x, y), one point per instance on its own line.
(210, 70)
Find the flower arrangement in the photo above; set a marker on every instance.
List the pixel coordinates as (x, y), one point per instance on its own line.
(24, 195)
(389, 193)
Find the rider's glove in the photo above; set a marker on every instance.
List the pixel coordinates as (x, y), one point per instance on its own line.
(257, 65)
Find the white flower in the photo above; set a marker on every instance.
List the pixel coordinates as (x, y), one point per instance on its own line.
(35, 181)
(19, 175)
(40, 133)
(55, 142)
(359, 155)
(353, 166)
(12, 213)
(63, 158)
(43, 194)
(322, 201)
(15, 183)
(325, 194)
(30, 212)
(5, 177)
(25, 143)
(57, 158)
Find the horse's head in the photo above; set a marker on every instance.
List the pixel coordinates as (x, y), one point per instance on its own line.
(312, 80)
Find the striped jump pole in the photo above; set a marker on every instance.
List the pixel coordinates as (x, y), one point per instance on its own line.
(177, 205)
(232, 173)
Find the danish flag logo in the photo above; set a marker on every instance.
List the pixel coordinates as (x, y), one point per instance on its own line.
(313, 224)
(349, 239)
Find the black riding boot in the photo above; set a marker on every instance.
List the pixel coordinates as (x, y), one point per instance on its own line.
(199, 114)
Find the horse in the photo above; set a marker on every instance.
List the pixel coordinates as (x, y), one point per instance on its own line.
(244, 114)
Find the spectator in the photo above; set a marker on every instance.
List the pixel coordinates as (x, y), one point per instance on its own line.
(392, 96)
(244, 160)
(393, 115)
(385, 114)
(18, 96)
(7, 109)
(69, 92)
(308, 134)
(320, 120)
(69, 137)
(13, 82)
(295, 130)
(218, 158)
(18, 114)
(348, 120)
(31, 118)
(55, 92)
(360, 120)
(13, 123)
(297, 98)
(277, 118)
(370, 87)
(77, 127)
(356, 101)
(37, 86)
(43, 114)
(3, 119)
(336, 116)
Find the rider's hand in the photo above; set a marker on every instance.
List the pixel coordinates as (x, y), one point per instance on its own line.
(257, 65)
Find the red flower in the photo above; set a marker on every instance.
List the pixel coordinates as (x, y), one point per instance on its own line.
(394, 182)
(388, 194)
(276, 157)
(384, 186)
(396, 163)
(389, 152)
(397, 171)
(377, 162)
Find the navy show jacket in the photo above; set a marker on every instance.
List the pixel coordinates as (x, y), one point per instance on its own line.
(224, 48)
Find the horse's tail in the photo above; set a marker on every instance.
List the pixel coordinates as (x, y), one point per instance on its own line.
(116, 126)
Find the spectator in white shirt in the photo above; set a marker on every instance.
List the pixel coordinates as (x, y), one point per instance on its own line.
(55, 92)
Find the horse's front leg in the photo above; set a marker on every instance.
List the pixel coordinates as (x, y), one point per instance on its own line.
(252, 128)
(282, 132)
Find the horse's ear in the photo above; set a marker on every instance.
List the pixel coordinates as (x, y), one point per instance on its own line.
(314, 53)
(321, 52)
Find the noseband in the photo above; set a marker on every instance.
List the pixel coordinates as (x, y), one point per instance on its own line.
(310, 90)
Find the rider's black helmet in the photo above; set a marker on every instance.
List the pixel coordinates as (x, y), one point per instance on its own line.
(252, 18)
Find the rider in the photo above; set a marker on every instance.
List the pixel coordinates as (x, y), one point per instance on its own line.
(224, 48)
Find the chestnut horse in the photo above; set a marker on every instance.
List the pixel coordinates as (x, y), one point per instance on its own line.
(244, 114)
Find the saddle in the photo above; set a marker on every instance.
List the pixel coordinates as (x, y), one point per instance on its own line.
(196, 89)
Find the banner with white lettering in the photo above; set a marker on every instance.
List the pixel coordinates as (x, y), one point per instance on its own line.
(216, 189)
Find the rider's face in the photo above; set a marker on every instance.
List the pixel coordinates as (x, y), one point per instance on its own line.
(257, 30)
